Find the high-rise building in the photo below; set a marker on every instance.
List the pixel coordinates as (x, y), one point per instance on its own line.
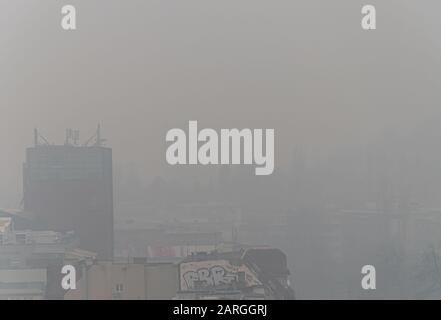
(69, 188)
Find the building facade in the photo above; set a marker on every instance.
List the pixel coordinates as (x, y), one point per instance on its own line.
(69, 188)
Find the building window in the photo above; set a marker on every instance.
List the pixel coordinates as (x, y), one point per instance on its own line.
(119, 288)
(20, 238)
(118, 291)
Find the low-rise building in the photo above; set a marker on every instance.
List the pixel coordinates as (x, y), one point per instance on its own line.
(23, 284)
(255, 273)
(125, 280)
(31, 261)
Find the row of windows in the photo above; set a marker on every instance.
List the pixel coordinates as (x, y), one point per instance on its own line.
(23, 285)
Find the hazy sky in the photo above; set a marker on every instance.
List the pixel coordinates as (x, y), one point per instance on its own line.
(142, 67)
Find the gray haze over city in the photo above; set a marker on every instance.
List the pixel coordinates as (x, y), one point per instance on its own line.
(356, 116)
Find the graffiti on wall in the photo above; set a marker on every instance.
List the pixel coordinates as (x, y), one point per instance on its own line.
(214, 273)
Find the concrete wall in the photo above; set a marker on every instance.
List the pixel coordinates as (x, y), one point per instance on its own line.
(162, 281)
(101, 281)
(135, 281)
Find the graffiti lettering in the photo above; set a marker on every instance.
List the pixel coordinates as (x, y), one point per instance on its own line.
(213, 277)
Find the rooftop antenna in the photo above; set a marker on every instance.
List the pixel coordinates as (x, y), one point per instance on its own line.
(38, 137)
(99, 142)
(98, 136)
(72, 137)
